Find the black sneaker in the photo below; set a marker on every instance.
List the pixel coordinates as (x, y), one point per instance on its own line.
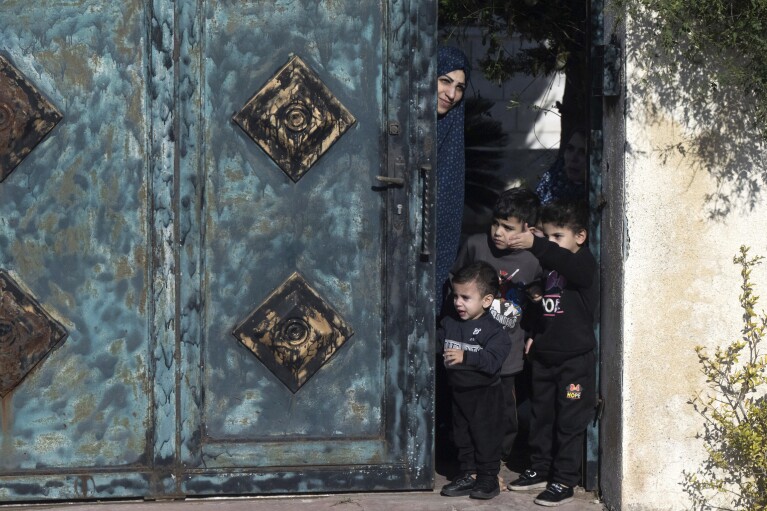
(555, 494)
(528, 480)
(486, 487)
(459, 487)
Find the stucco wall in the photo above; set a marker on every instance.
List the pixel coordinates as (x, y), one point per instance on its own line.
(685, 217)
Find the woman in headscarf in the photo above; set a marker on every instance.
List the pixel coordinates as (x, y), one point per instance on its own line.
(566, 179)
(453, 71)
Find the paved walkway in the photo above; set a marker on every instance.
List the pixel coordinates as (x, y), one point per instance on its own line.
(406, 501)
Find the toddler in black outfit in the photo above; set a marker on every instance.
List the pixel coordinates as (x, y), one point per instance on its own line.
(474, 346)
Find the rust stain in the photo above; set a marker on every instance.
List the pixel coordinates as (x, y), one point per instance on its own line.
(124, 36)
(81, 485)
(69, 60)
(26, 117)
(6, 427)
(83, 408)
(71, 240)
(135, 114)
(123, 268)
(294, 118)
(71, 374)
(294, 332)
(141, 251)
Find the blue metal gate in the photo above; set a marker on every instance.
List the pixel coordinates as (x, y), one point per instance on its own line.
(211, 225)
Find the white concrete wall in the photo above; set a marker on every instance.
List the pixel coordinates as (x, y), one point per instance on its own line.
(681, 288)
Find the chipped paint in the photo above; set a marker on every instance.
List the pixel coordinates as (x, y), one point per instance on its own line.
(26, 117)
(152, 225)
(295, 118)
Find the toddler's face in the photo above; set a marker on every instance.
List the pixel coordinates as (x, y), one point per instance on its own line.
(469, 303)
(503, 229)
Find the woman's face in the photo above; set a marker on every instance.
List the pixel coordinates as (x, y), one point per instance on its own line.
(575, 158)
(450, 89)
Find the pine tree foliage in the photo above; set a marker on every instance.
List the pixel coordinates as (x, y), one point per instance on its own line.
(485, 145)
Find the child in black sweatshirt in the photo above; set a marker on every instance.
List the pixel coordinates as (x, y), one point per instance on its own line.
(562, 358)
(474, 346)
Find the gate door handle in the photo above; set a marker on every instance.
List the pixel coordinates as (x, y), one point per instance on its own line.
(426, 200)
(393, 181)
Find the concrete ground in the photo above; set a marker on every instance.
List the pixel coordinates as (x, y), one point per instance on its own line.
(409, 501)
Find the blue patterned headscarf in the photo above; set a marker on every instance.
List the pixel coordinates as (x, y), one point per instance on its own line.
(451, 174)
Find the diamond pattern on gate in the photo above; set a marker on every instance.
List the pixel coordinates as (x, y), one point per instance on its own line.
(27, 334)
(26, 117)
(294, 118)
(294, 332)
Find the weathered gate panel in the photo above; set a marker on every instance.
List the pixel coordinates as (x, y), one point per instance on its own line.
(261, 227)
(226, 223)
(74, 238)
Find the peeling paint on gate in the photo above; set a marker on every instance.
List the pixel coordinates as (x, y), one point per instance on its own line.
(26, 117)
(73, 230)
(150, 225)
(27, 334)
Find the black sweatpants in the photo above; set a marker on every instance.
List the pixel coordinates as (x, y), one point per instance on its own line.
(562, 403)
(510, 419)
(478, 429)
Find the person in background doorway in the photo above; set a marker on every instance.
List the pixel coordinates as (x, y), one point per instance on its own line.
(566, 179)
(453, 71)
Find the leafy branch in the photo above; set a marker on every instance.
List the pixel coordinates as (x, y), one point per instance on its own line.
(726, 39)
(734, 409)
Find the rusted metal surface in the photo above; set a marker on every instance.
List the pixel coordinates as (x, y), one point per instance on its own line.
(294, 332)
(294, 118)
(26, 117)
(27, 334)
(155, 225)
(73, 232)
(260, 227)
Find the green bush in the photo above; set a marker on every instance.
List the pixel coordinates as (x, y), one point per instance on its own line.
(734, 408)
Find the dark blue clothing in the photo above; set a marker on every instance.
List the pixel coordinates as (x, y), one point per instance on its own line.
(485, 345)
(451, 175)
(554, 185)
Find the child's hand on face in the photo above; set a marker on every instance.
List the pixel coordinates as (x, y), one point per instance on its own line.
(453, 356)
(522, 240)
(537, 232)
